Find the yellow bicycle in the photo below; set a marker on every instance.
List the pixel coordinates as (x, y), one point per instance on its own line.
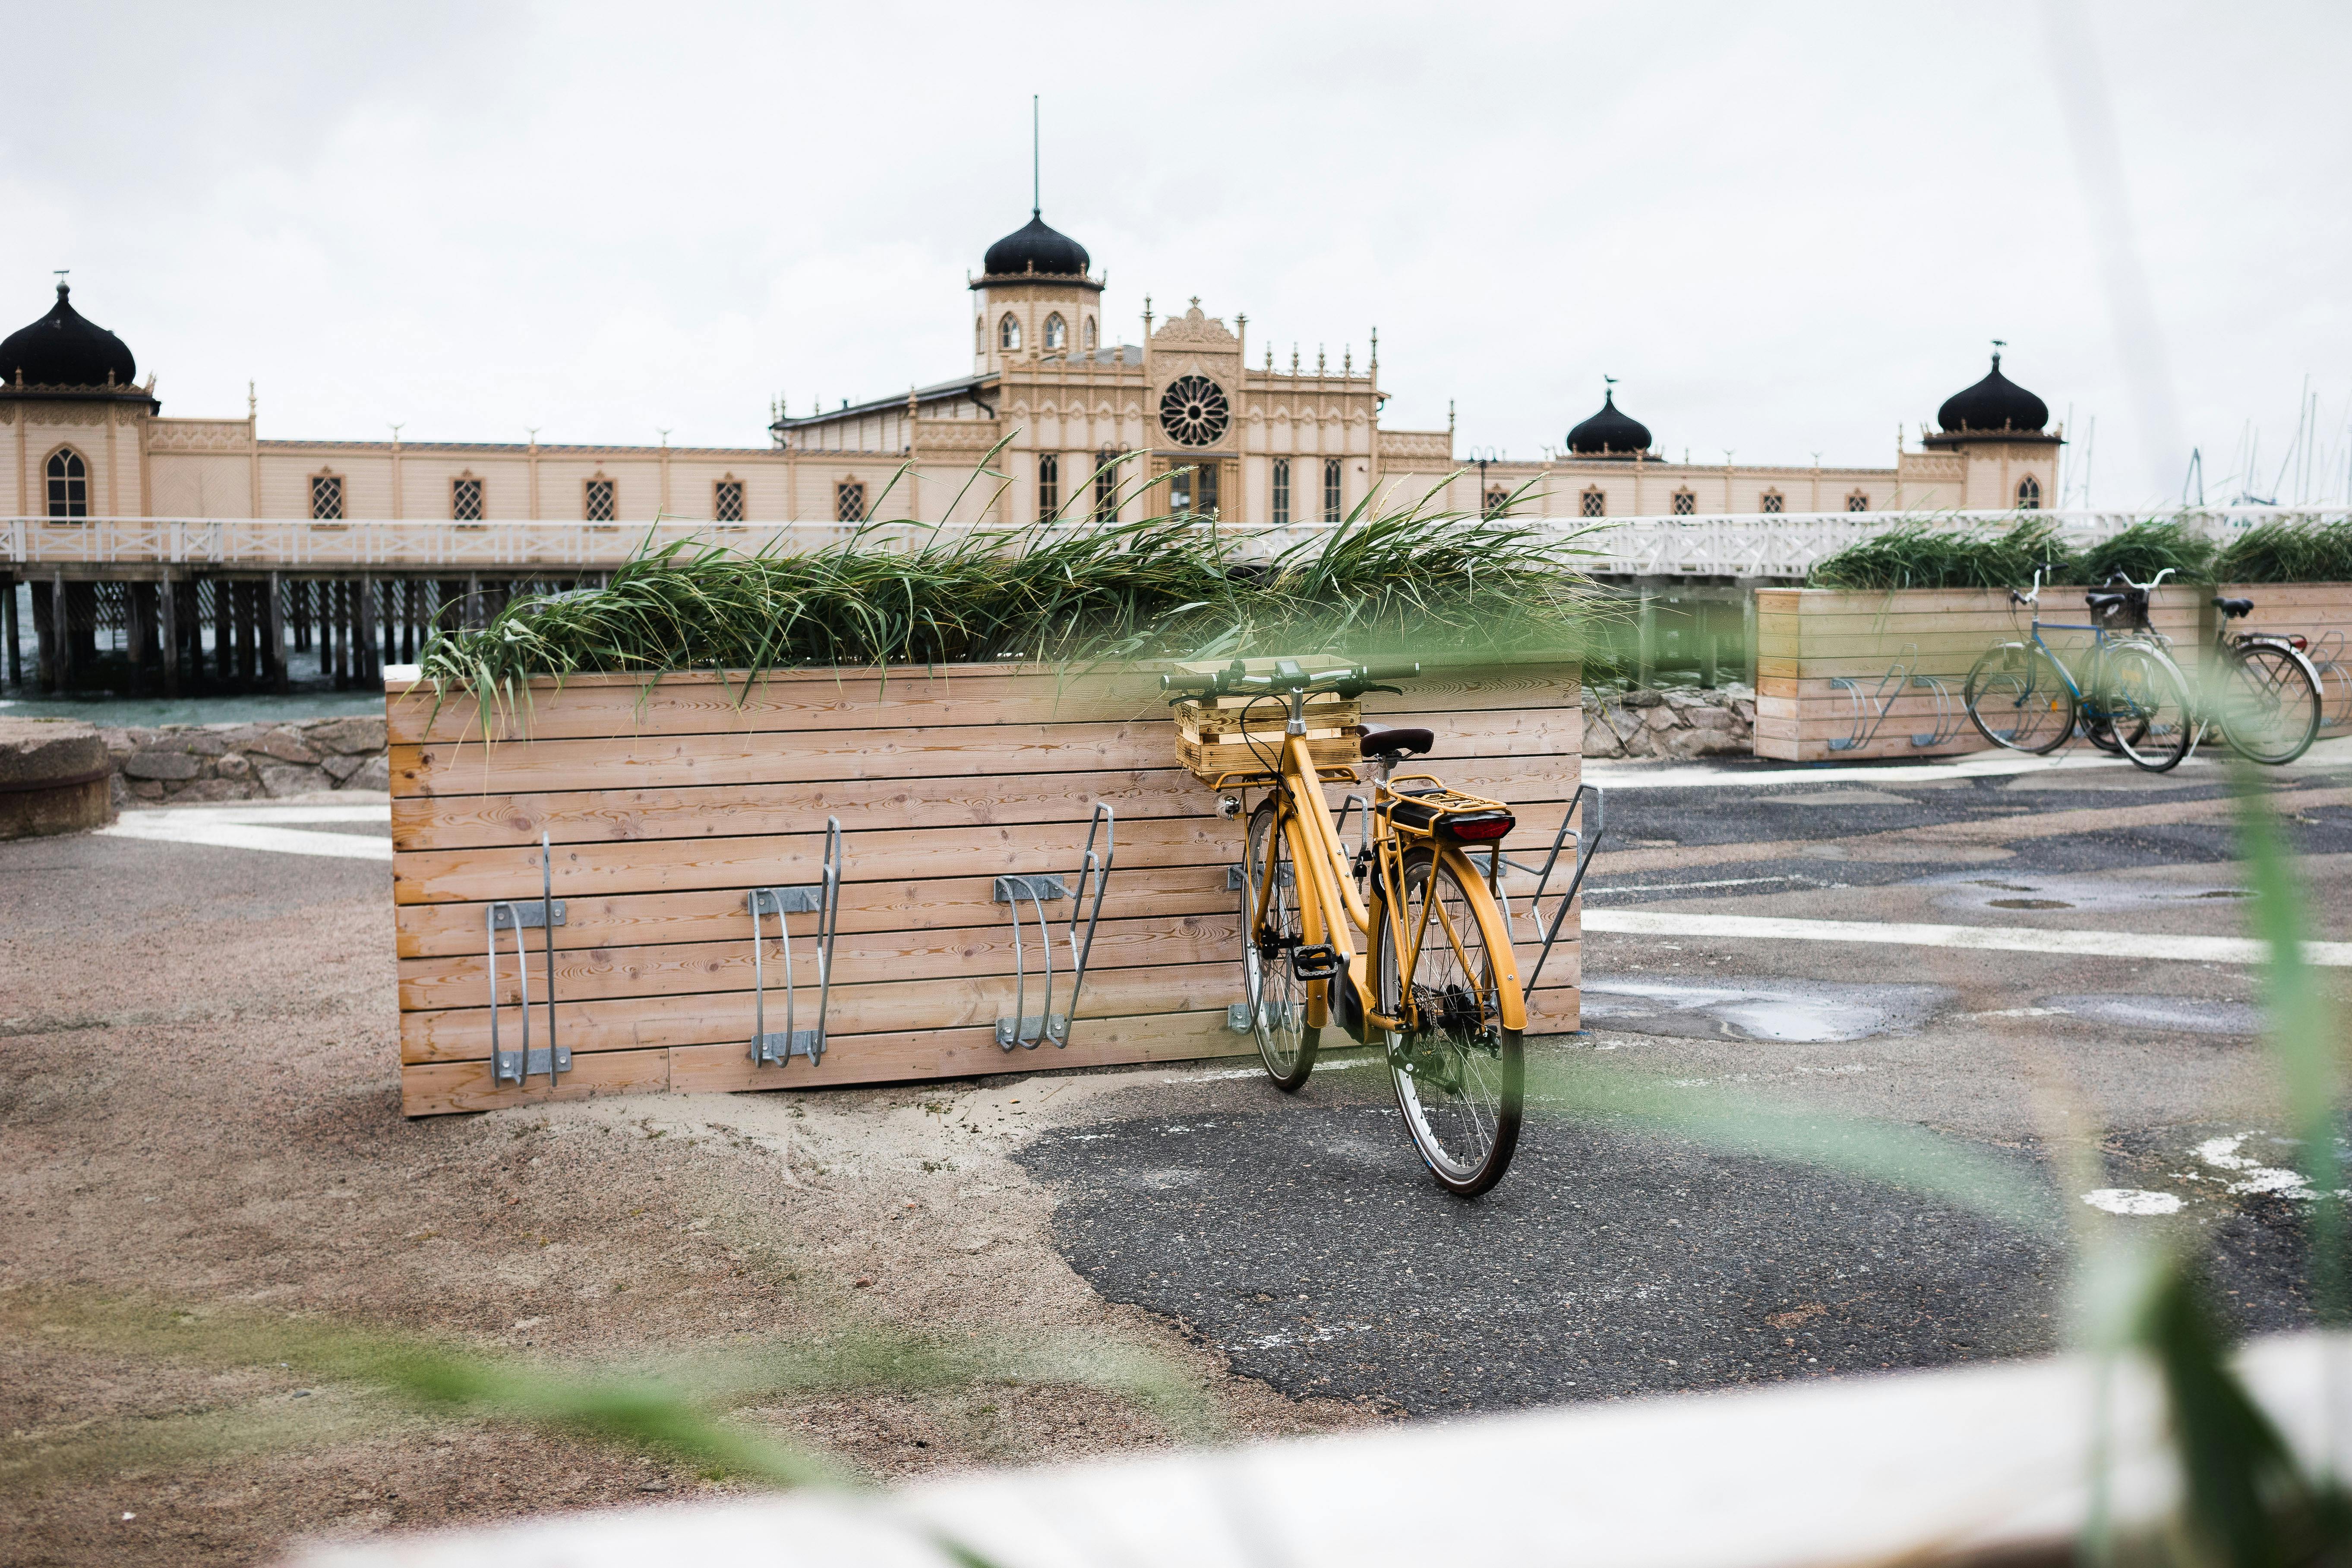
(1401, 942)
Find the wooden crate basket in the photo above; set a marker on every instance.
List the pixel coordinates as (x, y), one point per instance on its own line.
(1238, 734)
(665, 806)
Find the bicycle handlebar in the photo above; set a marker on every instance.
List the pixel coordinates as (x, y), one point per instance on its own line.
(2148, 587)
(2034, 597)
(1288, 676)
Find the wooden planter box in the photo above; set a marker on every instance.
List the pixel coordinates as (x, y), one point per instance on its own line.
(667, 803)
(1826, 686)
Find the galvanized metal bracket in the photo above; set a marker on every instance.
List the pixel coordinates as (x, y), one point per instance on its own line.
(1585, 826)
(1025, 1028)
(518, 916)
(1237, 1017)
(1284, 876)
(823, 899)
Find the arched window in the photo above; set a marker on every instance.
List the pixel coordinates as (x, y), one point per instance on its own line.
(1773, 502)
(979, 335)
(1498, 501)
(1090, 334)
(2029, 494)
(1049, 476)
(1281, 490)
(1857, 500)
(1105, 485)
(1008, 332)
(1593, 503)
(1685, 503)
(68, 479)
(1334, 499)
(1057, 333)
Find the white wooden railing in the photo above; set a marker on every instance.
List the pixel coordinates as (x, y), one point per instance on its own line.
(1771, 545)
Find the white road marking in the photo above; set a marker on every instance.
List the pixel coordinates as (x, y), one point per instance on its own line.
(2132, 1201)
(195, 827)
(1995, 939)
(2333, 752)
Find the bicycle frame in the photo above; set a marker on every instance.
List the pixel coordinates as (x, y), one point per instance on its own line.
(1330, 902)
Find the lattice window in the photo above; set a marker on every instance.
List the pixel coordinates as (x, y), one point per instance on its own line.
(326, 497)
(1857, 500)
(1057, 333)
(1685, 503)
(466, 499)
(1498, 501)
(1593, 503)
(1105, 485)
(849, 502)
(1281, 489)
(727, 500)
(1008, 332)
(1193, 411)
(1049, 483)
(1773, 502)
(600, 500)
(2029, 494)
(1333, 497)
(68, 483)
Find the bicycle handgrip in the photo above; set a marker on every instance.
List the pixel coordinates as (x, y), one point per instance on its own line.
(1182, 682)
(1396, 669)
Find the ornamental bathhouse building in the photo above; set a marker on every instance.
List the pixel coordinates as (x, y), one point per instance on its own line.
(1087, 422)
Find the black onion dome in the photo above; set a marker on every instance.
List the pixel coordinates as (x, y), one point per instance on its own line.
(1609, 433)
(1994, 404)
(64, 349)
(1036, 247)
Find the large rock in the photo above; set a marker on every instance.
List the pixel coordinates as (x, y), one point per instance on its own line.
(346, 735)
(161, 764)
(54, 777)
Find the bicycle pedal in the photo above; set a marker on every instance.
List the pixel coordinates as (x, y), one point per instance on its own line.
(1320, 962)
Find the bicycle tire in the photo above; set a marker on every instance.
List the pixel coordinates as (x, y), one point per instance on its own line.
(2270, 703)
(1277, 998)
(2026, 693)
(2145, 699)
(1462, 1090)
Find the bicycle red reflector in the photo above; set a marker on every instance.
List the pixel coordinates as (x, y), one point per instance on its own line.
(1478, 828)
(2299, 644)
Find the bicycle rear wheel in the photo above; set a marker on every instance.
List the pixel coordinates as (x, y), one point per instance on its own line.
(2018, 698)
(1460, 1076)
(2146, 702)
(2267, 700)
(1277, 998)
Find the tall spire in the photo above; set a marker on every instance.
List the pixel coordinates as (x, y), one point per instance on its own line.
(1036, 190)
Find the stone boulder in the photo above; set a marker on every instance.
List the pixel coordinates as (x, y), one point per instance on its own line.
(55, 778)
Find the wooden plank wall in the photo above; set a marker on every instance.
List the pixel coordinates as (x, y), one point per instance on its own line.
(665, 804)
(2319, 610)
(1806, 638)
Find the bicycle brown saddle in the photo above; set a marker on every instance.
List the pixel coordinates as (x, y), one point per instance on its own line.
(2232, 608)
(1376, 742)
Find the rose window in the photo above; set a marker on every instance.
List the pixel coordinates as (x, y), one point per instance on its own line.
(1192, 411)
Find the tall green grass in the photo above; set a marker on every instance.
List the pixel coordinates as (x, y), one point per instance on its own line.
(1930, 555)
(1412, 577)
(2288, 553)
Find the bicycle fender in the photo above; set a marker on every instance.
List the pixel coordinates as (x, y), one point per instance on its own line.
(1514, 1002)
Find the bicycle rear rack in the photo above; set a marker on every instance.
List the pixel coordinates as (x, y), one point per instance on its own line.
(1587, 839)
(1025, 1028)
(519, 915)
(1871, 712)
(822, 898)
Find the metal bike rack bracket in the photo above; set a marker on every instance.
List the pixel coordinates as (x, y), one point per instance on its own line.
(1284, 876)
(1587, 840)
(823, 899)
(518, 916)
(1028, 1029)
(1869, 714)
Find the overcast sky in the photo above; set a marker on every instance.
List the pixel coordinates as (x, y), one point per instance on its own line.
(1786, 229)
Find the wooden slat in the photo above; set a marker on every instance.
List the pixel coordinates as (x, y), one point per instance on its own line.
(951, 1053)
(440, 1088)
(801, 701)
(962, 751)
(569, 816)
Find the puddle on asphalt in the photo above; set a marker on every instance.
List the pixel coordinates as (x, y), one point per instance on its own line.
(2178, 1015)
(1798, 1011)
(2025, 892)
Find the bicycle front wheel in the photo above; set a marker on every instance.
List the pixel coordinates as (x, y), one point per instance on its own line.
(1277, 996)
(2146, 703)
(2017, 697)
(1460, 1076)
(2266, 698)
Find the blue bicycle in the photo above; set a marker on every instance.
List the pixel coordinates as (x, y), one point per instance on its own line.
(2132, 699)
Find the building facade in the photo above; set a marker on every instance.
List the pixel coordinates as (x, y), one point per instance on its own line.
(1076, 426)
